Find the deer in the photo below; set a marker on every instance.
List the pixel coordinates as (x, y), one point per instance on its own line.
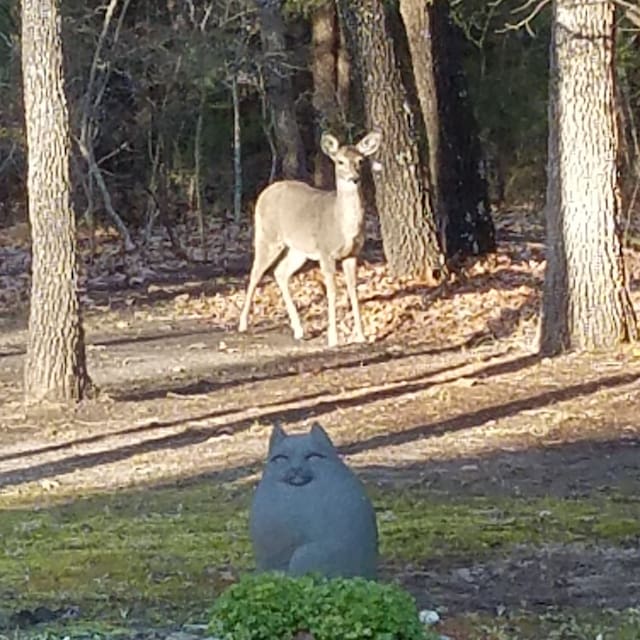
(295, 222)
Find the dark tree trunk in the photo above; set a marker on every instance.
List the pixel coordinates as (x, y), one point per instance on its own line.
(402, 188)
(586, 302)
(278, 87)
(459, 187)
(324, 67)
(55, 367)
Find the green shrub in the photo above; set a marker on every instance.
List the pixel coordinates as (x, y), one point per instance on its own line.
(273, 606)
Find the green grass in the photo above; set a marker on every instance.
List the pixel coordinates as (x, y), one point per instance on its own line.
(414, 526)
(163, 554)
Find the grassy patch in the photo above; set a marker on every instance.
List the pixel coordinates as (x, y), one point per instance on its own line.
(126, 555)
(415, 526)
(164, 554)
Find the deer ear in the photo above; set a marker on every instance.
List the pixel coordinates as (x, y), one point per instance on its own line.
(370, 143)
(329, 144)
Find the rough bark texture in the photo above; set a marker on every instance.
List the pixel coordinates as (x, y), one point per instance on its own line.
(459, 189)
(325, 42)
(586, 303)
(55, 368)
(278, 87)
(402, 192)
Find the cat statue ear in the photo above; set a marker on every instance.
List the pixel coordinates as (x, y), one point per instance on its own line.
(278, 434)
(320, 436)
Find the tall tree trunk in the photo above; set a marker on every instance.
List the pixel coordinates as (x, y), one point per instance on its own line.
(324, 68)
(459, 189)
(55, 368)
(331, 75)
(586, 302)
(278, 86)
(402, 190)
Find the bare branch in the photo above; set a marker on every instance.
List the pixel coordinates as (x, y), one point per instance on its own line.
(94, 171)
(526, 21)
(632, 11)
(7, 160)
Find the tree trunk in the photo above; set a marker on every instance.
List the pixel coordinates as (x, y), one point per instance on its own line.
(55, 368)
(586, 302)
(324, 68)
(402, 191)
(459, 189)
(278, 87)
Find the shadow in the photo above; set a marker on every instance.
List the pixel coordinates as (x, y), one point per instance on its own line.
(11, 353)
(195, 436)
(477, 418)
(154, 337)
(571, 470)
(353, 356)
(154, 425)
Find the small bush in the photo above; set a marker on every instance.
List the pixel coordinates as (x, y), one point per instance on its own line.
(273, 606)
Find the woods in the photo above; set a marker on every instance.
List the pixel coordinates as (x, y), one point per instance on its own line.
(413, 224)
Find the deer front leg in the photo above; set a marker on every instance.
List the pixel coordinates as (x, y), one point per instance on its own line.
(292, 261)
(349, 266)
(328, 268)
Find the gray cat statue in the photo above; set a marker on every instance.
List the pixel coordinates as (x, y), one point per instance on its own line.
(310, 513)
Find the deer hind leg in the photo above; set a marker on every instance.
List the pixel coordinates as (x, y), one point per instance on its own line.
(328, 268)
(265, 255)
(292, 261)
(349, 266)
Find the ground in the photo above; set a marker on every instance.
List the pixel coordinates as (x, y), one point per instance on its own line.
(506, 485)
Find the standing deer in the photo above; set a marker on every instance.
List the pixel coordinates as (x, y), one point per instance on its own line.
(305, 223)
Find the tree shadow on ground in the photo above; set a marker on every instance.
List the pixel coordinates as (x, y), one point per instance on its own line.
(315, 409)
(286, 366)
(154, 425)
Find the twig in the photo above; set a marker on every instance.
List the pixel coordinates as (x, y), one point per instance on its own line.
(7, 160)
(198, 170)
(94, 171)
(237, 153)
(632, 11)
(526, 21)
(86, 148)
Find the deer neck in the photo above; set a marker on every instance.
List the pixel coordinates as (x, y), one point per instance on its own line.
(349, 210)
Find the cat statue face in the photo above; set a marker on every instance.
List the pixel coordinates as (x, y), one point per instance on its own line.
(310, 512)
(297, 460)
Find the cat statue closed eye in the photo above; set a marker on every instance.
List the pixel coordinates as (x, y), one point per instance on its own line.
(310, 513)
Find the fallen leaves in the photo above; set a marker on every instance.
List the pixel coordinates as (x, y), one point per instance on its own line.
(490, 298)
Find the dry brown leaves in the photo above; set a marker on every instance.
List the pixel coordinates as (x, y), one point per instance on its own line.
(488, 298)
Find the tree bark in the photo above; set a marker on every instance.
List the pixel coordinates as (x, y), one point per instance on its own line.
(409, 234)
(324, 68)
(55, 368)
(459, 189)
(586, 302)
(278, 87)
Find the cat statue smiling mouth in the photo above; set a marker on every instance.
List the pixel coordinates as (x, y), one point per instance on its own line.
(310, 513)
